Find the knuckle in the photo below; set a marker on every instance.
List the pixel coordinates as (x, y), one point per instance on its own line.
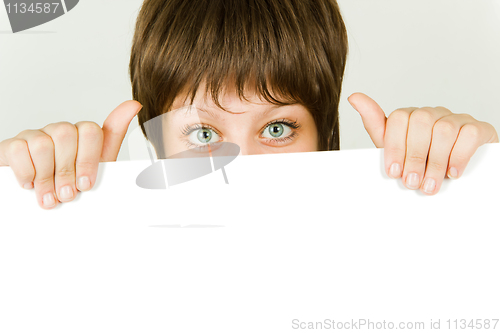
(26, 176)
(416, 158)
(460, 159)
(89, 130)
(85, 165)
(395, 151)
(399, 116)
(467, 116)
(437, 165)
(41, 144)
(44, 181)
(471, 131)
(423, 115)
(24, 133)
(64, 131)
(445, 128)
(66, 172)
(17, 146)
(445, 110)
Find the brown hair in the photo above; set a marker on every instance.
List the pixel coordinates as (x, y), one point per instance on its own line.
(287, 51)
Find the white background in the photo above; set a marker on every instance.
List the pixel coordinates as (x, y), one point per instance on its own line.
(402, 53)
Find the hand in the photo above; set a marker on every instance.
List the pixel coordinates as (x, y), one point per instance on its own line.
(423, 145)
(61, 159)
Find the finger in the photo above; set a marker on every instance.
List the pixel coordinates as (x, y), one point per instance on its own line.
(90, 139)
(41, 150)
(115, 127)
(65, 138)
(471, 136)
(15, 153)
(418, 143)
(444, 136)
(395, 141)
(372, 115)
(4, 147)
(494, 138)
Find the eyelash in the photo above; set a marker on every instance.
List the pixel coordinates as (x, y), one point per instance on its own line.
(292, 124)
(188, 129)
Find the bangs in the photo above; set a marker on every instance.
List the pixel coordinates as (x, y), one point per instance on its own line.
(254, 45)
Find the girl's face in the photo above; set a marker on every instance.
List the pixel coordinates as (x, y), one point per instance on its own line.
(258, 127)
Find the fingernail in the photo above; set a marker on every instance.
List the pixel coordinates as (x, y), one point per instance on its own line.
(49, 200)
(84, 183)
(413, 181)
(28, 186)
(354, 106)
(395, 171)
(66, 193)
(350, 102)
(430, 185)
(453, 173)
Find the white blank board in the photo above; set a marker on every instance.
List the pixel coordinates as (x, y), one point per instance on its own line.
(294, 239)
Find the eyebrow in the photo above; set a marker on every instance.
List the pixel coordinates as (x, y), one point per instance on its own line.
(188, 111)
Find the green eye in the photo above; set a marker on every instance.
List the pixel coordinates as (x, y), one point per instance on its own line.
(205, 135)
(202, 136)
(276, 130)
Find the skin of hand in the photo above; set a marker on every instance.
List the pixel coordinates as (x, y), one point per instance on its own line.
(61, 159)
(423, 145)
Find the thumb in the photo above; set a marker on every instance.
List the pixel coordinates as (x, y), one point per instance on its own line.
(373, 117)
(115, 127)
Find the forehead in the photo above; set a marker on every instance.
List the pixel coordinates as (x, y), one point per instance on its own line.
(205, 111)
(228, 98)
(234, 108)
